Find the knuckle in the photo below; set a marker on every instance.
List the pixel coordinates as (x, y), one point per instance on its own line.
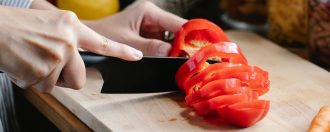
(69, 17)
(54, 58)
(104, 46)
(57, 58)
(66, 26)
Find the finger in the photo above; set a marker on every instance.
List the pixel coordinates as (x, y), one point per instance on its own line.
(61, 82)
(151, 31)
(165, 19)
(151, 47)
(47, 84)
(74, 73)
(92, 41)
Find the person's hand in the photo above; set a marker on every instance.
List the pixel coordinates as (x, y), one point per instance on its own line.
(37, 47)
(141, 26)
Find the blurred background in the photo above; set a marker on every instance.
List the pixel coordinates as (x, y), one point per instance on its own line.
(301, 26)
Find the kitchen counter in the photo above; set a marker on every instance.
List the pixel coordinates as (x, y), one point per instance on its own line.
(298, 89)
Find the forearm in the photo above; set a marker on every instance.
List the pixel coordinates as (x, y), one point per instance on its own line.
(42, 5)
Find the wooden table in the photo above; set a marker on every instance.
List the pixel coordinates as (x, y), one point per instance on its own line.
(298, 89)
(55, 111)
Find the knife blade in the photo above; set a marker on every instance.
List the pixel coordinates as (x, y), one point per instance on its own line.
(150, 74)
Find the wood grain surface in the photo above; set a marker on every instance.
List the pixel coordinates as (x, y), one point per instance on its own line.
(58, 114)
(298, 89)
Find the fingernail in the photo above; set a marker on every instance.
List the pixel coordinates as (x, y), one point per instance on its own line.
(163, 50)
(137, 54)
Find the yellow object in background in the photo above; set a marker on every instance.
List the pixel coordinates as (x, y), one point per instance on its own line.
(90, 9)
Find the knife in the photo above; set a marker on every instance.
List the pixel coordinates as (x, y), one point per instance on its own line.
(148, 75)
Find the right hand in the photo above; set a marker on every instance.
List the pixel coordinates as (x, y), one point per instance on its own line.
(39, 46)
(143, 24)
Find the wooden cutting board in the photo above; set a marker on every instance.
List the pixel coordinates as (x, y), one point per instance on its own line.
(298, 89)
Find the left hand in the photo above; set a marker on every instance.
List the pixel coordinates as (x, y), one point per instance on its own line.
(141, 26)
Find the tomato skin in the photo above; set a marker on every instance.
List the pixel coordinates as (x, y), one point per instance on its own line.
(197, 29)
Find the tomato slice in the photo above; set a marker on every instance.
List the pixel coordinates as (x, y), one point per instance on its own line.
(195, 34)
(208, 107)
(191, 83)
(244, 114)
(250, 76)
(216, 88)
(254, 80)
(224, 52)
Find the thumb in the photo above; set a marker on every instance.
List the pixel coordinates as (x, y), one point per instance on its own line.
(94, 42)
(151, 47)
